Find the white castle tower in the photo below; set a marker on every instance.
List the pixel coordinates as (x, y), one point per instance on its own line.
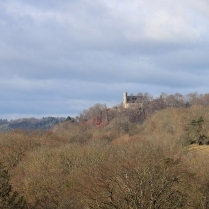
(124, 99)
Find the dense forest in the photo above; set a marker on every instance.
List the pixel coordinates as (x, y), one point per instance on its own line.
(112, 158)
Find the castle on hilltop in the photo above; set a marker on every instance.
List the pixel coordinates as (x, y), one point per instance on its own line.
(132, 102)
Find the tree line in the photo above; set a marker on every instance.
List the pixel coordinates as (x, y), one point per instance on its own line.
(100, 114)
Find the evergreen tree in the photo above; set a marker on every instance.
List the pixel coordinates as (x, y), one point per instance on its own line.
(196, 131)
(8, 198)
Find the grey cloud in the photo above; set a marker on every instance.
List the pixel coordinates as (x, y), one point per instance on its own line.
(59, 57)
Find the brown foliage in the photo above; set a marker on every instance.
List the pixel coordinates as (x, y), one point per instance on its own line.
(140, 179)
(120, 165)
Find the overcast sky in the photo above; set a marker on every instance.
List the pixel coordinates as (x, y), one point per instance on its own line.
(60, 57)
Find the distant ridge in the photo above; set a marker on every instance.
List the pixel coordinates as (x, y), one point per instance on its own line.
(44, 123)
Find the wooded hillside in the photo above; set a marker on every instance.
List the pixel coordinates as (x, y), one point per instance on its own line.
(108, 159)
